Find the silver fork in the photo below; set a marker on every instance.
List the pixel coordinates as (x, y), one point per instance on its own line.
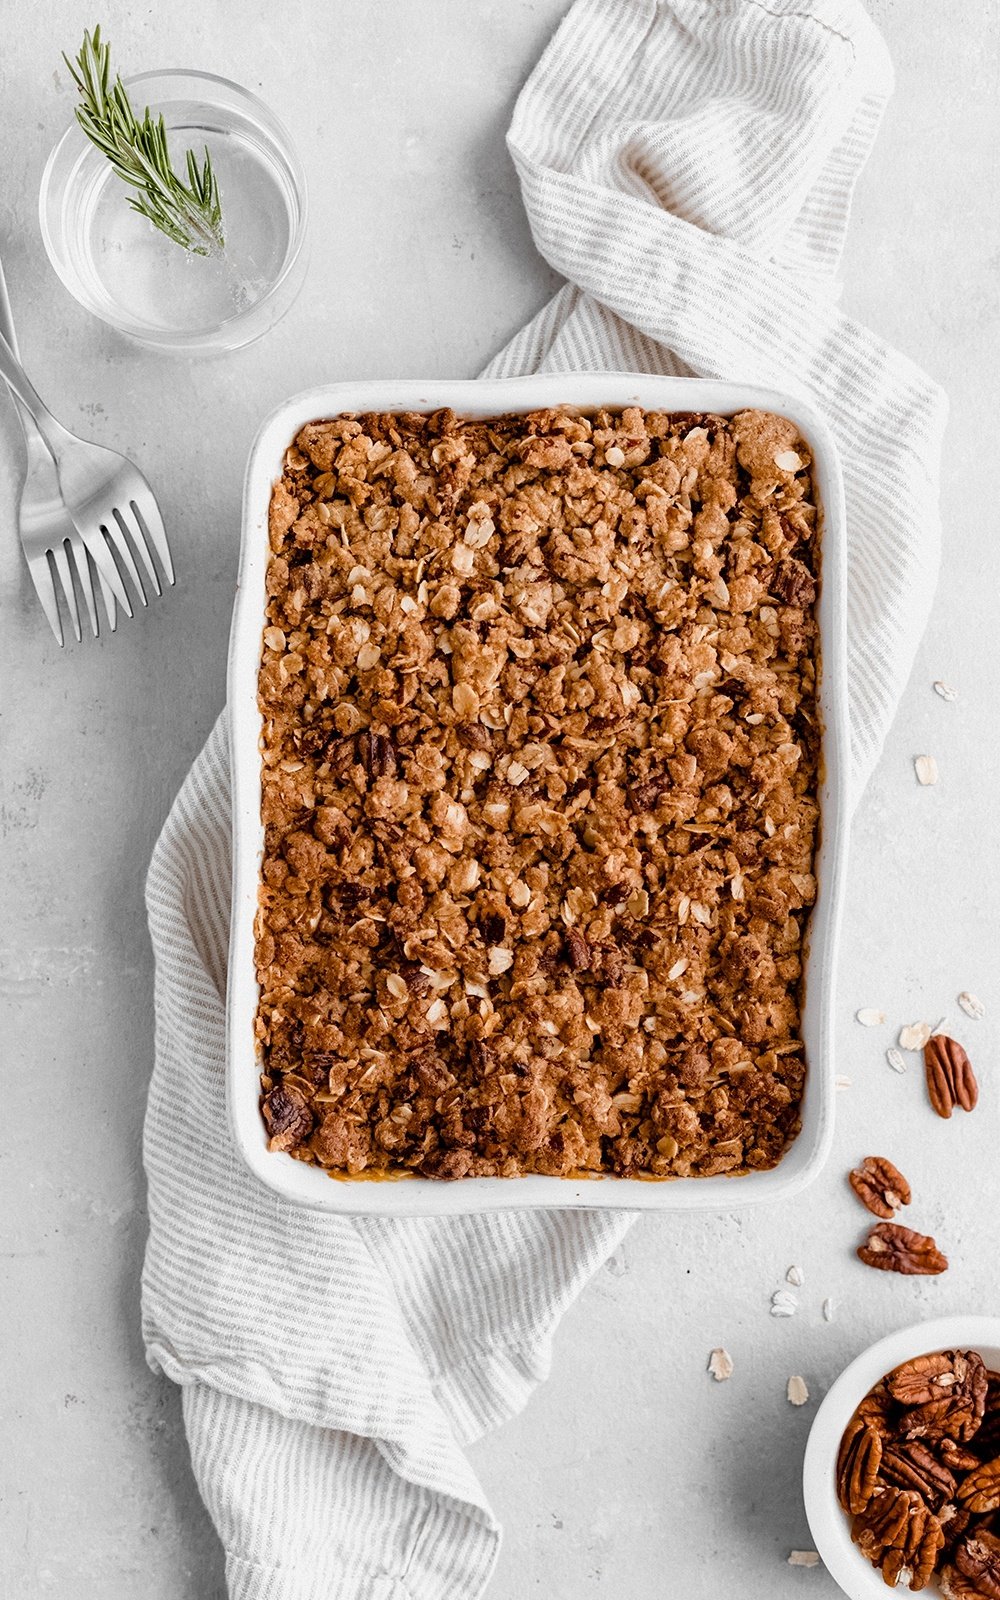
(79, 500)
(44, 522)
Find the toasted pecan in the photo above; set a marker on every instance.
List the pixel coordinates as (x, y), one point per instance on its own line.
(892, 1248)
(951, 1081)
(880, 1186)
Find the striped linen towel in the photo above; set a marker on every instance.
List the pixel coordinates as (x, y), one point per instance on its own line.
(688, 166)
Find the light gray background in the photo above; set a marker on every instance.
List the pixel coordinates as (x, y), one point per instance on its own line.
(631, 1472)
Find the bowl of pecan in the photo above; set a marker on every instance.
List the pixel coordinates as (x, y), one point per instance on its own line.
(902, 1468)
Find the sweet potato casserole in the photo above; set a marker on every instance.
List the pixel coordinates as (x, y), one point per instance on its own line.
(540, 767)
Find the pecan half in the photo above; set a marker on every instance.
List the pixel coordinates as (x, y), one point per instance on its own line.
(987, 1441)
(951, 1081)
(955, 1522)
(914, 1566)
(980, 1491)
(287, 1116)
(910, 1465)
(922, 1557)
(858, 1464)
(893, 1248)
(977, 1562)
(880, 1186)
(882, 1524)
(956, 1456)
(896, 1531)
(955, 1387)
(930, 1377)
(875, 1408)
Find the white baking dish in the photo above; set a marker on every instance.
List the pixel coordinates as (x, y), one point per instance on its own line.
(310, 1185)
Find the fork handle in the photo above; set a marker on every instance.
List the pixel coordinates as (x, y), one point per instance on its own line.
(7, 316)
(7, 330)
(21, 386)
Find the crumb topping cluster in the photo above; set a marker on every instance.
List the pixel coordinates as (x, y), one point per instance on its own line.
(540, 749)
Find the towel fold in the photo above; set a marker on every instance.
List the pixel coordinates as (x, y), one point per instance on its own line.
(688, 167)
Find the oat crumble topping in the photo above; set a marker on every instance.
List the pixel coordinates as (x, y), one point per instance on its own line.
(540, 750)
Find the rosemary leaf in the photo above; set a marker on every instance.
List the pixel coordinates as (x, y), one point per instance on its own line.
(188, 213)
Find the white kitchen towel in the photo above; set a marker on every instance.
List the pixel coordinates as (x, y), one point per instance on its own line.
(688, 166)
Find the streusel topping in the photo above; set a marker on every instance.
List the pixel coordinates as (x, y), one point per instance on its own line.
(540, 751)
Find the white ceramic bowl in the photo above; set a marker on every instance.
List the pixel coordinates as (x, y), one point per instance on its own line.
(310, 1185)
(829, 1523)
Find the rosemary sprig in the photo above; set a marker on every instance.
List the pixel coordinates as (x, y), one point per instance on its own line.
(189, 213)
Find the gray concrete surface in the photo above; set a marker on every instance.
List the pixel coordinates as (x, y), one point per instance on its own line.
(630, 1473)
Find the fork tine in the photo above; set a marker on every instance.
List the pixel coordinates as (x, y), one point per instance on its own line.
(85, 579)
(62, 566)
(115, 529)
(99, 551)
(132, 525)
(41, 577)
(110, 608)
(147, 514)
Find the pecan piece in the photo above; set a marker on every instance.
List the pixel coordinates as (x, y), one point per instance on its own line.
(645, 796)
(793, 583)
(880, 1186)
(288, 1117)
(340, 755)
(858, 1464)
(951, 1081)
(378, 754)
(910, 1465)
(980, 1491)
(446, 1165)
(893, 1248)
(577, 950)
(976, 1571)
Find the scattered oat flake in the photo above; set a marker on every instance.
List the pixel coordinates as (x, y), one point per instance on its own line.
(796, 1277)
(803, 1558)
(971, 1006)
(895, 1059)
(828, 1309)
(783, 1304)
(915, 1035)
(797, 1391)
(842, 1082)
(926, 769)
(787, 460)
(720, 1365)
(945, 690)
(869, 1017)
